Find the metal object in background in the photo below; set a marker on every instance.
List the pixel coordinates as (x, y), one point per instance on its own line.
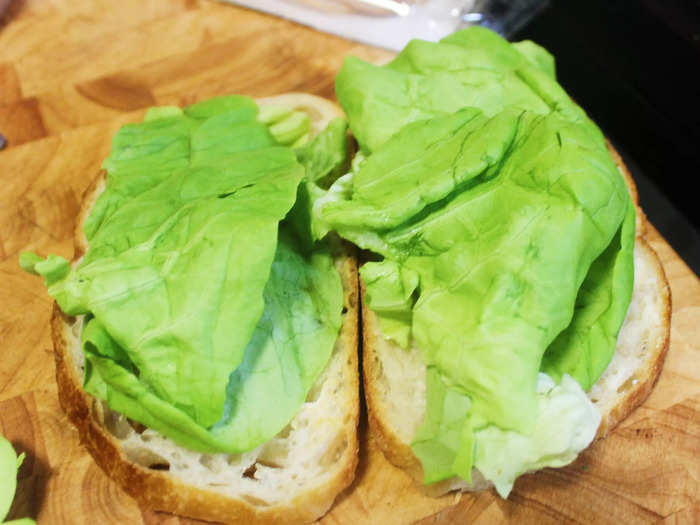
(392, 23)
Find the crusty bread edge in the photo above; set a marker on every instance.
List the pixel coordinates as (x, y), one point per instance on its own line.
(394, 449)
(648, 375)
(400, 453)
(156, 489)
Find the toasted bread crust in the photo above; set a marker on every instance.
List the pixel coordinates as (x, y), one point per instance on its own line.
(394, 449)
(640, 225)
(400, 454)
(648, 374)
(158, 490)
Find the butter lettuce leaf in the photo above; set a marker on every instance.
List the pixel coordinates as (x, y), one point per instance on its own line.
(215, 228)
(451, 441)
(584, 349)
(290, 346)
(501, 258)
(389, 292)
(183, 321)
(521, 240)
(471, 68)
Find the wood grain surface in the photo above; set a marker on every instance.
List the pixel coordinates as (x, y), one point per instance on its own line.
(71, 73)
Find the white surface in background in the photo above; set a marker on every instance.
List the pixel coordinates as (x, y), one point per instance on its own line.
(429, 20)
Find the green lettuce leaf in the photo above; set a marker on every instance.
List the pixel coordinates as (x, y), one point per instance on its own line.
(500, 258)
(484, 179)
(185, 325)
(289, 348)
(584, 349)
(471, 68)
(215, 228)
(389, 291)
(324, 158)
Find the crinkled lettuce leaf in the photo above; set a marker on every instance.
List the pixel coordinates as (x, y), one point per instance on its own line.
(502, 259)
(521, 239)
(188, 284)
(324, 158)
(389, 292)
(451, 440)
(584, 349)
(200, 241)
(471, 68)
(290, 346)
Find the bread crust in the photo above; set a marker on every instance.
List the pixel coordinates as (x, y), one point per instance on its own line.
(394, 449)
(160, 491)
(400, 454)
(641, 222)
(648, 374)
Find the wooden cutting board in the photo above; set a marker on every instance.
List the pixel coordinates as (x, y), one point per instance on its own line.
(71, 73)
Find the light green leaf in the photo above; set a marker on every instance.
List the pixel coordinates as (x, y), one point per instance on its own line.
(9, 463)
(389, 291)
(566, 424)
(185, 329)
(511, 217)
(290, 347)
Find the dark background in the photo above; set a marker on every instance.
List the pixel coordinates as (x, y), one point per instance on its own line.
(633, 66)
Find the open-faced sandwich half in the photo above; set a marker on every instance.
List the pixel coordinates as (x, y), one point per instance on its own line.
(512, 309)
(206, 349)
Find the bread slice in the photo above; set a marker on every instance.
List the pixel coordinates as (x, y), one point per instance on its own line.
(292, 478)
(394, 378)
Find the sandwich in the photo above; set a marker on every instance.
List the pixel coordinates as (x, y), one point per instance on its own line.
(205, 346)
(512, 310)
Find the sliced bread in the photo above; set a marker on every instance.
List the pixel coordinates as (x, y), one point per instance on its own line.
(292, 478)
